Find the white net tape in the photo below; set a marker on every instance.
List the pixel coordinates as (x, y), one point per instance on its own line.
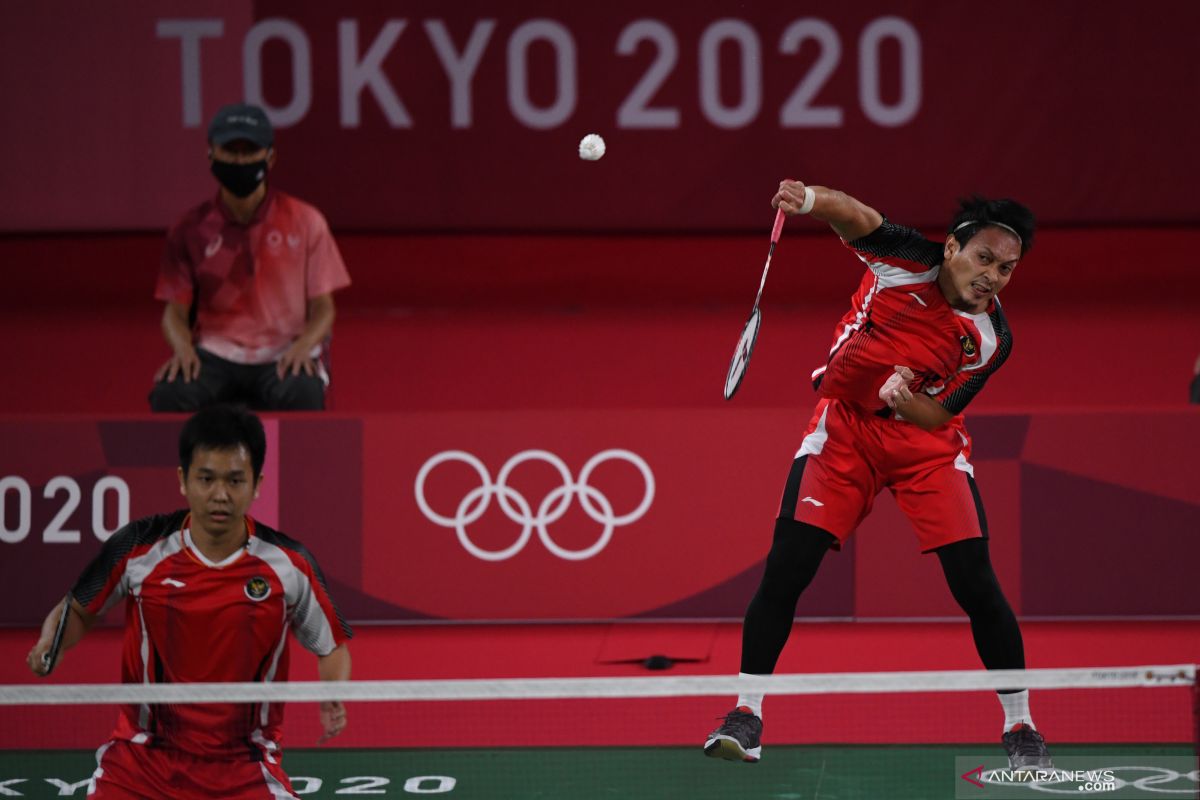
(558, 688)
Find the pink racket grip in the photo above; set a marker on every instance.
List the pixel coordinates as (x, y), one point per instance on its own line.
(778, 228)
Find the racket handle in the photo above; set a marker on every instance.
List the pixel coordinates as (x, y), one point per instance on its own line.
(778, 228)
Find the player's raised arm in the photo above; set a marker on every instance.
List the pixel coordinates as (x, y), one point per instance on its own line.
(849, 218)
(79, 622)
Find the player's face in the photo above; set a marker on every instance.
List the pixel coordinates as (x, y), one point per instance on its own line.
(973, 274)
(219, 487)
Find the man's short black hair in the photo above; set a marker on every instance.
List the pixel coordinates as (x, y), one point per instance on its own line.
(224, 427)
(977, 212)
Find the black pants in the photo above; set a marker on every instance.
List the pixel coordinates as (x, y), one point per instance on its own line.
(255, 385)
(796, 553)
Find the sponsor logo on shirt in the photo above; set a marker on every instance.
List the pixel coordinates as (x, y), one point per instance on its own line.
(274, 240)
(257, 588)
(212, 247)
(293, 241)
(968, 346)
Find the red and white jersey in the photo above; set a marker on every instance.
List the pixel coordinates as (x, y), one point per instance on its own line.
(250, 283)
(899, 316)
(189, 619)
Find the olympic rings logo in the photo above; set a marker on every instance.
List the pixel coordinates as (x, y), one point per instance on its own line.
(551, 509)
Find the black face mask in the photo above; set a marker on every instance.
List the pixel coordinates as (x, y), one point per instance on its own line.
(240, 179)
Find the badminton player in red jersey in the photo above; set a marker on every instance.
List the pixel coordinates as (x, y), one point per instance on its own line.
(212, 594)
(924, 332)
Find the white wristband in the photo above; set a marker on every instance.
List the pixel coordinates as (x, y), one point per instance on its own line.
(810, 197)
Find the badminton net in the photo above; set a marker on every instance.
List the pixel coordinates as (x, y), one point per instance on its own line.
(849, 735)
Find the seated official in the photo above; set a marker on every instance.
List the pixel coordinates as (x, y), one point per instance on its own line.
(248, 280)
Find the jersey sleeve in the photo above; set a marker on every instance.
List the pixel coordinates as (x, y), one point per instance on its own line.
(316, 620)
(102, 583)
(963, 387)
(325, 271)
(898, 254)
(175, 274)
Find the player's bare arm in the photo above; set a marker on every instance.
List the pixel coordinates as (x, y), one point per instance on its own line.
(919, 409)
(850, 218)
(333, 667)
(79, 624)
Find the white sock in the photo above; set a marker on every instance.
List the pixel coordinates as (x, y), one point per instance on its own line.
(1016, 709)
(751, 701)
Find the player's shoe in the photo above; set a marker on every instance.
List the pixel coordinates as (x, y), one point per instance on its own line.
(738, 739)
(1026, 749)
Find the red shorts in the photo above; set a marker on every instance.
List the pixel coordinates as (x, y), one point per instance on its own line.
(849, 456)
(128, 771)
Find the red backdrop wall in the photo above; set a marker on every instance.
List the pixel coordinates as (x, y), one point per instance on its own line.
(621, 513)
(430, 116)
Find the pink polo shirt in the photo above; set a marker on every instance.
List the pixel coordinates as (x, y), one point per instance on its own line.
(252, 283)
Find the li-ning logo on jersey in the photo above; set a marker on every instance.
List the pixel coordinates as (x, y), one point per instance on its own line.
(257, 588)
(968, 345)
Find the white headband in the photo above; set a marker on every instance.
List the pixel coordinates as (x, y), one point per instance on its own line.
(962, 225)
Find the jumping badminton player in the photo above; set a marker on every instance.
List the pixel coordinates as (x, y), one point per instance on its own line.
(211, 596)
(923, 334)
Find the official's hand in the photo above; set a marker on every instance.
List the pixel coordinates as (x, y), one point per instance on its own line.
(333, 719)
(186, 364)
(790, 197)
(34, 659)
(295, 361)
(895, 391)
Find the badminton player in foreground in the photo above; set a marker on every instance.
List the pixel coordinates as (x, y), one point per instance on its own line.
(211, 596)
(924, 332)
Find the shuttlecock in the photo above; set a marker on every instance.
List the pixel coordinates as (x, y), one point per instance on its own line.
(591, 147)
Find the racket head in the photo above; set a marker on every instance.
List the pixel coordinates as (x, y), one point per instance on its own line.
(741, 354)
(50, 657)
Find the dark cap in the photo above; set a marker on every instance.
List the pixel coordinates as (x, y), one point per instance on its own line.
(241, 121)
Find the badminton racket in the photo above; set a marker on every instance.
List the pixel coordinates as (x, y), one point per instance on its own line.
(50, 657)
(745, 345)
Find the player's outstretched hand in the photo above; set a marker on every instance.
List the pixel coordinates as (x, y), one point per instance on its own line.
(790, 196)
(895, 389)
(333, 719)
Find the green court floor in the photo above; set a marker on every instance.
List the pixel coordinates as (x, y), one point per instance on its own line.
(617, 773)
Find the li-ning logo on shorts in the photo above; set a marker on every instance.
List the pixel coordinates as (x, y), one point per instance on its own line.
(518, 509)
(257, 588)
(968, 346)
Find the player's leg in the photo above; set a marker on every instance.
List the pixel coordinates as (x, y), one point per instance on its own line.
(944, 505)
(210, 386)
(301, 392)
(973, 582)
(969, 574)
(828, 491)
(796, 553)
(234, 780)
(127, 771)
